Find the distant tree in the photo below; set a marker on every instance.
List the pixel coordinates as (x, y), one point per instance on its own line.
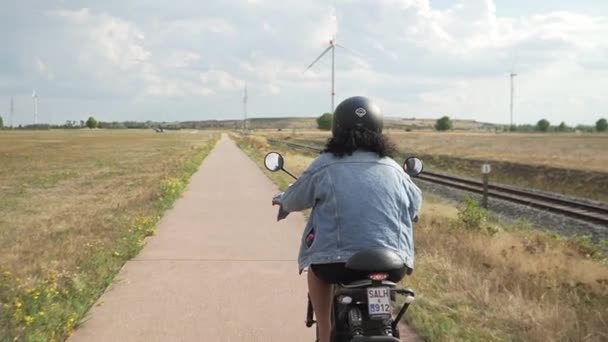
(324, 121)
(91, 122)
(585, 128)
(1, 122)
(543, 125)
(601, 125)
(562, 127)
(444, 124)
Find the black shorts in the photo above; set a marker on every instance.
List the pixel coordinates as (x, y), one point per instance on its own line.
(336, 273)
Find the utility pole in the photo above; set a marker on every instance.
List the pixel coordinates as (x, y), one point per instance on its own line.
(512, 75)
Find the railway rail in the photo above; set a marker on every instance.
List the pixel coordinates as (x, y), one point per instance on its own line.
(548, 202)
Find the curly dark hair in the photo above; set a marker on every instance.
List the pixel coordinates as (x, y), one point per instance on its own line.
(348, 141)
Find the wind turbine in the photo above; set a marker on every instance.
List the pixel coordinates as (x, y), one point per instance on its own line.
(35, 97)
(332, 47)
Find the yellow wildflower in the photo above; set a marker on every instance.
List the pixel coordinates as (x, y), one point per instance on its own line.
(29, 320)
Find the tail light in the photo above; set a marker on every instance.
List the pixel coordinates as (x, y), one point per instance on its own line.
(378, 276)
(345, 300)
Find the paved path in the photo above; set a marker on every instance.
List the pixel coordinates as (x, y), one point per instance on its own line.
(219, 268)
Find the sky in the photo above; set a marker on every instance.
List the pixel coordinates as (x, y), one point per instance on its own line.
(190, 60)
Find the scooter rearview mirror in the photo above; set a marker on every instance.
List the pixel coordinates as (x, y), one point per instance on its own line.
(413, 166)
(273, 161)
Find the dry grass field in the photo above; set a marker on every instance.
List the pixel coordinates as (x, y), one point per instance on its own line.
(74, 205)
(588, 152)
(574, 164)
(488, 281)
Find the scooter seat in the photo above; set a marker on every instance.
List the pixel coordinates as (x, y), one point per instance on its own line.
(375, 260)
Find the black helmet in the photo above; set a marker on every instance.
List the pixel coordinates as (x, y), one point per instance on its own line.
(354, 112)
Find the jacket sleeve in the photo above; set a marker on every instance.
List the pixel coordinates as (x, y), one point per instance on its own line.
(415, 198)
(301, 194)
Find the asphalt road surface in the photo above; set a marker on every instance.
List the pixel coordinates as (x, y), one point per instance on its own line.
(220, 268)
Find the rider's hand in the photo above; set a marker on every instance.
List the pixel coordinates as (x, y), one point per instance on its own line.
(276, 200)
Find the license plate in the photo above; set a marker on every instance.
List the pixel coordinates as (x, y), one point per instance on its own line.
(379, 301)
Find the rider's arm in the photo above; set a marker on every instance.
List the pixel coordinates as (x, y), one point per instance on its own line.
(415, 198)
(301, 194)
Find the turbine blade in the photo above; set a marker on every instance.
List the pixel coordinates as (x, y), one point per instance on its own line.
(349, 50)
(321, 55)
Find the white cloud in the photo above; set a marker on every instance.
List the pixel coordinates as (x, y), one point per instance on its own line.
(116, 40)
(324, 29)
(199, 25)
(415, 58)
(222, 80)
(173, 88)
(274, 89)
(44, 69)
(182, 59)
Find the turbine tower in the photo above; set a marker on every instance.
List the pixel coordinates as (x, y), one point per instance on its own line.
(245, 108)
(12, 112)
(512, 75)
(35, 97)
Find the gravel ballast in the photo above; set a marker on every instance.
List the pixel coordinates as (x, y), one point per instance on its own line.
(511, 212)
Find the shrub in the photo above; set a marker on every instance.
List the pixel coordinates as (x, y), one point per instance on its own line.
(324, 121)
(444, 124)
(601, 125)
(91, 122)
(472, 216)
(543, 125)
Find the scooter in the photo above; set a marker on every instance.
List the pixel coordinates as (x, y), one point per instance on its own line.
(362, 311)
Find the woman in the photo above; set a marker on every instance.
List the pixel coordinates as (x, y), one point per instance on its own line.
(360, 199)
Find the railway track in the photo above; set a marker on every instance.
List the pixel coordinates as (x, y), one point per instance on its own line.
(553, 203)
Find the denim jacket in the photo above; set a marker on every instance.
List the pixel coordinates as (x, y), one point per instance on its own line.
(358, 202)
